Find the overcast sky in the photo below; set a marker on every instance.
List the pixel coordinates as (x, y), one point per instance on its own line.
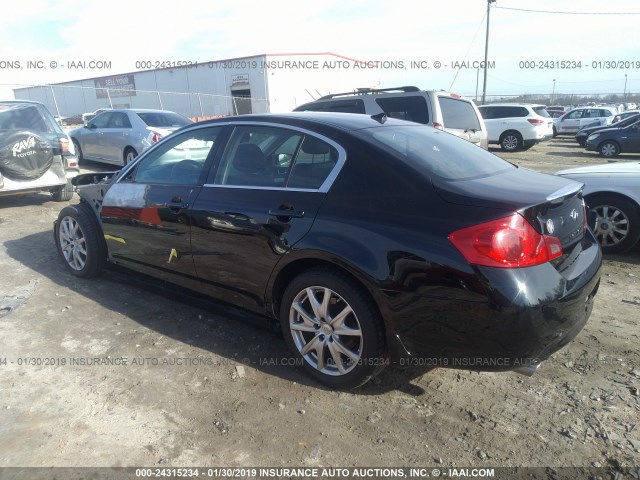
(124, 32)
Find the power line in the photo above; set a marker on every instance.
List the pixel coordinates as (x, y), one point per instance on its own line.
(567, 13)
(469, 49)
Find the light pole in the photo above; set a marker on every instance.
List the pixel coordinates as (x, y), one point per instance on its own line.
(486, 52)
(624, 95)
(553, 93)
(477, 77)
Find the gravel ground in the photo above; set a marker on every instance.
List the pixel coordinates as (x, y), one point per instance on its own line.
(209, 385)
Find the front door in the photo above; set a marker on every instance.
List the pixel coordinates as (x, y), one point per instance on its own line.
(145, 215)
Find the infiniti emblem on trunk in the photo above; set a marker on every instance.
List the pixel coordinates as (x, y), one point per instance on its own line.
(550, 226)
(574, 214)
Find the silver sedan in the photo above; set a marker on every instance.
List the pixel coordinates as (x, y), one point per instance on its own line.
(612, 192)
(118, 136)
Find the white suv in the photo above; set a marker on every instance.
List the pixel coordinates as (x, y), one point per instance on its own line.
(443, 110)
(578, 118)
(516, 126)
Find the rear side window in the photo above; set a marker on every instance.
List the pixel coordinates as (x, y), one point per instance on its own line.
(314, 162)
(458, 114)
(435, 153)
(409, 107)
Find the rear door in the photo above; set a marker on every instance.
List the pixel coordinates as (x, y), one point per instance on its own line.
(260, 200)
(145, 215)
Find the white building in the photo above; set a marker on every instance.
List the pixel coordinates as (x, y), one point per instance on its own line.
(256, 84)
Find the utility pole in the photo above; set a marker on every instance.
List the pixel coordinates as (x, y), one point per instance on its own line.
(625, 92)
(477, 82)
(553, 93)
(486, 52)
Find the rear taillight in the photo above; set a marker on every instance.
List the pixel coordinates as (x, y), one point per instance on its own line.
(535, 121)
(509, 242)
(156, 137)
(438, 126)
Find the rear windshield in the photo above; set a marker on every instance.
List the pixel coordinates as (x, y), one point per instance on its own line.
(458, 114)
(27, 117)
(407, 107)
(163, 119)
(434, 152)
(542, 111)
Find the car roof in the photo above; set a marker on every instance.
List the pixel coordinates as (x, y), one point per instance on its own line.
(513, 104)
(342, 121)
(137, 110)
(20, 102)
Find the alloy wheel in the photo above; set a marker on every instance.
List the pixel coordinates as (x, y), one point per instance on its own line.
(612, 225)
(72, 243)
(326, 331)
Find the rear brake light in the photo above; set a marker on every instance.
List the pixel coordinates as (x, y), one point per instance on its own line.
(438, 126)
(536, 121)
(454, 95)
(509, 242)
(156, 137)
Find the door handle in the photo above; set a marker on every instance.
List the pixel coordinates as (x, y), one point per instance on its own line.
(287, 213)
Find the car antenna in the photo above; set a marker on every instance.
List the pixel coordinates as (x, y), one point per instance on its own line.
(380, 117)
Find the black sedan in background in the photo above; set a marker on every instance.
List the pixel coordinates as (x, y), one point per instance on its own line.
(613, 141)
(370, 239)
(584, 133)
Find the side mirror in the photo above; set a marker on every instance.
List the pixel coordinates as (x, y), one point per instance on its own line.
(91, 126)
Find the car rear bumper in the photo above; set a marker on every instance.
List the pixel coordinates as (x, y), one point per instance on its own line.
(525, 316)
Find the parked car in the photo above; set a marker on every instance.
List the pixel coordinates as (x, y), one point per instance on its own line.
(440, 109)
(612, 192)
(555, 113)
(623, 115)
(35, 154)
(516, 126)
(613, 141)
(584, 133)
(320, 220)
(574, 120)
(118, 136)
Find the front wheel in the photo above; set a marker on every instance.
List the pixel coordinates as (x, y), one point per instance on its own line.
(616, 224)
(79, 241)
(511, 141)
(333, 327)
(609, 149)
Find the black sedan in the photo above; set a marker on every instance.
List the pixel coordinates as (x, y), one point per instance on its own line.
(584, 133)
(613, 141)
(372, 240)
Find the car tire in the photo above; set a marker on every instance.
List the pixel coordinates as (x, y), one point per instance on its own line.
(608, 149)
(79, 154)
(555, 132)
(616, 222)
(129, 155)
(511, 141)
(339, 360)
(64, 193)
(80, 241)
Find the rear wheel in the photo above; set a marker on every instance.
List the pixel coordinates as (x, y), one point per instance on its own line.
(64, 193)
(555, 132)
(609, 149)
(79, 241)
(330, 323)
(616, 224)
(511, 141)
(129, 155)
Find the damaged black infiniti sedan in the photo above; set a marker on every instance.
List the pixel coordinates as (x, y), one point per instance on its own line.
(371, 240)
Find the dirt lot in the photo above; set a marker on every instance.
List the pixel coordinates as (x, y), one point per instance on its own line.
(184, 402)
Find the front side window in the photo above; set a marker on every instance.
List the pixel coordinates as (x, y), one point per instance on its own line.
(458, 114)
(119, 120)
(102, 120)
(178, 161)
(575, 114)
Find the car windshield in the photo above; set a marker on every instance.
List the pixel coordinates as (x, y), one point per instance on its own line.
(542, 111)
(163, 119)
(434, 152)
